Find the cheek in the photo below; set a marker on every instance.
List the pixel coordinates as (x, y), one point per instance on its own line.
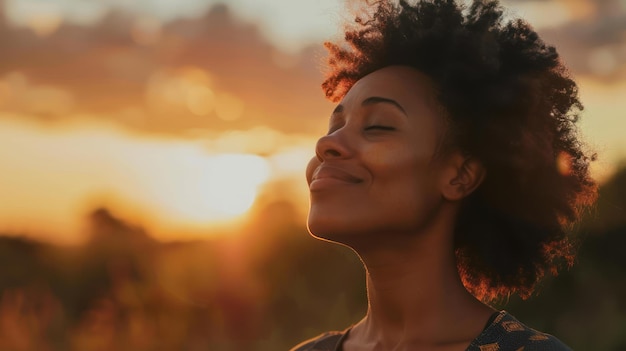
(400, 168)
(406, 188)
(407, 154)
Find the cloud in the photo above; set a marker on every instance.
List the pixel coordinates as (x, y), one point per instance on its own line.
(214, 72)
(593, 41)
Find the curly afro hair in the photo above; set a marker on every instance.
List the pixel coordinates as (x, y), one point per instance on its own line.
(509, 102)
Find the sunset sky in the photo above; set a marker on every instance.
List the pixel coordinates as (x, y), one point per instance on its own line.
(181, 115)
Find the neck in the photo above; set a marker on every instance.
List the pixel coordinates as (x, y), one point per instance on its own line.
(416, 297)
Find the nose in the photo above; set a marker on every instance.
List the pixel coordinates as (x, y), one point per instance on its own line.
(333, 145)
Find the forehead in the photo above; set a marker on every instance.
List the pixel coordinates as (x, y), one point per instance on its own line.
(408, 86)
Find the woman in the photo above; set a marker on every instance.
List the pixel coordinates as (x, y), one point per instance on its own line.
(452, 168)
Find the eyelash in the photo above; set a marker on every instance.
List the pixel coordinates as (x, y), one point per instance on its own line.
(368, 128)
(379, 128)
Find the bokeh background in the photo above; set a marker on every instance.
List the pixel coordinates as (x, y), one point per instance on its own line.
(152, 194)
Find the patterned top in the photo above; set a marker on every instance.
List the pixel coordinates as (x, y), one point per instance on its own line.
(504, 333)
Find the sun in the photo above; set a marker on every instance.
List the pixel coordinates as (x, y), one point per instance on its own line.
(213, 188)
(172, 188)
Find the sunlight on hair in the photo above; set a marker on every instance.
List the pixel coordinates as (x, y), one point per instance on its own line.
(564, 163)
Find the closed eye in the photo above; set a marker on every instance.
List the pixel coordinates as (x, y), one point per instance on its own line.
(377, 127)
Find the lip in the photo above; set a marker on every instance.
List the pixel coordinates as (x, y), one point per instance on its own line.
(326, 176)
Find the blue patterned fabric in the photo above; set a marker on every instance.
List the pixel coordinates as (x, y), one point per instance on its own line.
(504, 333)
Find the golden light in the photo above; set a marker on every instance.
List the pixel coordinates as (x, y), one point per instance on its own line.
(17, 91)
(5, 93)
(564, 163)
(170, 186)
(602, 123)
(200, 100)
(185, 88)
(229, 107)
(44, 24)
(48, 100)
(259, 140)
(214, 188)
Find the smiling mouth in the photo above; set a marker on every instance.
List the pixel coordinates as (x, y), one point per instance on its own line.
(325, 177)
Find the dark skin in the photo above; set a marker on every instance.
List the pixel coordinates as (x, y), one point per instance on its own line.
(380, 186)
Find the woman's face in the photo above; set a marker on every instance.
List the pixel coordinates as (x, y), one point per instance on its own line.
(374, 171)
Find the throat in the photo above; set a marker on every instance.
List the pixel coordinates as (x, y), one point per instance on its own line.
(416, 298)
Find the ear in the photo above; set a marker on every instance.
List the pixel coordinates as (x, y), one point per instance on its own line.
(462, 176)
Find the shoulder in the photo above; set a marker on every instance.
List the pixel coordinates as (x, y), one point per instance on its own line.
(325, 342)
(507, 333)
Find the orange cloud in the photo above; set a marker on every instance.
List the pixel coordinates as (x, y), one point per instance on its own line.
(212, 72)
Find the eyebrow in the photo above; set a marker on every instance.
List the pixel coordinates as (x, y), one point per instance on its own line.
(375, 100)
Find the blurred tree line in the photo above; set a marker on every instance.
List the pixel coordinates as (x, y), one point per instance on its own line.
(266, 288)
